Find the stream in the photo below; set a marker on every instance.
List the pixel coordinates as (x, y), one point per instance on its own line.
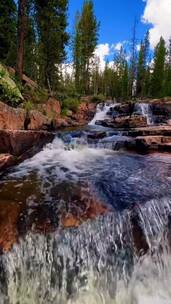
(83, 222)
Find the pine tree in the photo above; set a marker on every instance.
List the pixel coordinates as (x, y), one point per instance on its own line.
(8, 29)
(125, 82)
(31, 46)
(168, 72)
(52, 23)
(133, 62)
(22, 27)
(85, 41)
(159, 69)
(142, 66)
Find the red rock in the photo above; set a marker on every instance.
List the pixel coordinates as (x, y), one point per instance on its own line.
(61, 122)
(52, 108)
(125, 122)
(11, 118)
(145, 144)
(85, 113)
(38, 121)
(9, 214)
(18, 142)
(6, 160)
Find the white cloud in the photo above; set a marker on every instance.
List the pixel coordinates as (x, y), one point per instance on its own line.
(118, 46)
(158, 13)
(102, 51)
(138, 47)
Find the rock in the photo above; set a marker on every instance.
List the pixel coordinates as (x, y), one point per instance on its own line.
(51, 108)
(6, 160)
(149, 131)
(145, 144)
(11, 118)
(122, 109)
(14, 119)
(9, 214)
(96, 135)
(84, 114)
(38, 121)
(124, 122)
(61, 122)
(19, 142)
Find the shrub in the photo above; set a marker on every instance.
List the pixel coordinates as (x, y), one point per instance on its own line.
(9, 91)
(98, 98)
(71, 104)
(28, 106)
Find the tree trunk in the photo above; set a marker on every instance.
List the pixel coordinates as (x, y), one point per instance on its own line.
(22, 24)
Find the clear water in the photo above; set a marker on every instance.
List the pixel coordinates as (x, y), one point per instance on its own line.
(121, 256)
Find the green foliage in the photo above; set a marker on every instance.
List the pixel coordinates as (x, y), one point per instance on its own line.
(85, 41)
(71, 104)
(9, 91)
(98, 98)
(9, 95)
(37, 95)
(64, 112)
(51, 16)
(8, 31)
(159, 69)
(28, 106)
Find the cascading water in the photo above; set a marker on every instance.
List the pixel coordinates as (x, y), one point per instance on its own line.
(101, 112)
(121, 256)
(144, 109)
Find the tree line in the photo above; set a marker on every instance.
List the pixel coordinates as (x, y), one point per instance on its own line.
(34, 40)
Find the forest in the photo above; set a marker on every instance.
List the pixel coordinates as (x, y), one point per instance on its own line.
(34, 40)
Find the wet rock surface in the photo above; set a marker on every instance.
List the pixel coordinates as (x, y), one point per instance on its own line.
(16, 146)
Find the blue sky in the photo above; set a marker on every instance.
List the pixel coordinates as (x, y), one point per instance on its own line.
(116, 18)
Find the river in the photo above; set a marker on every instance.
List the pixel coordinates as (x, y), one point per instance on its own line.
(84, 223)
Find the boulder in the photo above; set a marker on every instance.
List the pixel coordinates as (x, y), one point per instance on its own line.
(51, 108)
(6, 160)
(11, 118)
(124, 122)
(149, 131)
(14, 119)
(38, 121)
(84, 114)
(145, 144)
(19, 142)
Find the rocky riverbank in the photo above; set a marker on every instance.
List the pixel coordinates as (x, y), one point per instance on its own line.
(143, 127)
(23, 133)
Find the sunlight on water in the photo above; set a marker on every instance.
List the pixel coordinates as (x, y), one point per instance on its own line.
(122, 257)
(95, 264)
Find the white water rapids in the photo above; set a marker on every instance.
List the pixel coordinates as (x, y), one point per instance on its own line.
(121, 257)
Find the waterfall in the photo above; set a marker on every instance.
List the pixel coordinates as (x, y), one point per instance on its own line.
(101, 112)
(96, 263)
(121, 256)
(144, 109)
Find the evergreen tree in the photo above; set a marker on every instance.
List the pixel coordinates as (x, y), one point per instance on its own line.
(159, 69)
(31, 43)
(52, 23)
(22, 27)
(85, 41)
(133, 62)
(125, 82)
(8, 29)
(142, 66)
(167, 89)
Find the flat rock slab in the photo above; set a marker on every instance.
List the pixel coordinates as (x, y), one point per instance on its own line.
(16, 146)
(147, 131)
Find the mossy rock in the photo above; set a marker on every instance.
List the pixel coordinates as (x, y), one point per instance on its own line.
(9, 91)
